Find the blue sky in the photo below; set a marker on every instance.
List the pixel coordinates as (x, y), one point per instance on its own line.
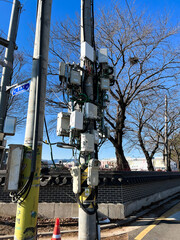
(60, 9)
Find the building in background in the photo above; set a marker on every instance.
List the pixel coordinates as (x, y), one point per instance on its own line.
(136, 164)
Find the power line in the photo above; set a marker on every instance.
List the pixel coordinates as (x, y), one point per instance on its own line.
(6, 1)
(134, 22)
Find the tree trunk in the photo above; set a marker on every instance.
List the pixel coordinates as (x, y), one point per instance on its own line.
(148, 157)
(149, 161)
(178, 163)
(122, 163)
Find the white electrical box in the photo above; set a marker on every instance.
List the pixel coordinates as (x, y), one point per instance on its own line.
(90, 110)
(75, 78)
(105, 83)
(10, 126)
(87, 51)
(63, 124)
(76, 174)
(76, 120)
(96, 136)
(103, 55)
(62, 68)
(93, 172)
(87, 142)
(15, 158)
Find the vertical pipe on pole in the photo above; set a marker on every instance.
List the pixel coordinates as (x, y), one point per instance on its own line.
(26, 215)
(87, 222)
(7, 70)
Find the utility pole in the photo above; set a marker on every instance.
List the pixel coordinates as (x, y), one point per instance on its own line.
(28, 197)
(7, 70)
(86, 87)
(166, 151)
(87, 219)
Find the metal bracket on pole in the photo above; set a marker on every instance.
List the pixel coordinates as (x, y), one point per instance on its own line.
(5, 43)
(17, 84)
(6, 64)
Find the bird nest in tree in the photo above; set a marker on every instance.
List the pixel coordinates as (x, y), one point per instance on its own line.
(133, 60)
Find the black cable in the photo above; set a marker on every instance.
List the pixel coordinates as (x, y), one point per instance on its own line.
(83, 18)
(135, 23)
(26, 189)
(50, 145)
(93, 38)
(85, 208)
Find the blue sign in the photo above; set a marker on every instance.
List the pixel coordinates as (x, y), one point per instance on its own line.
(21, 89)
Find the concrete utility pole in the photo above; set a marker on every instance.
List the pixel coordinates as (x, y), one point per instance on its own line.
(27, 208)
(166, 152)
(87, 222)
(8, 66)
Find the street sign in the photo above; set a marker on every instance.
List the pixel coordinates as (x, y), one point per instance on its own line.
(20, 89)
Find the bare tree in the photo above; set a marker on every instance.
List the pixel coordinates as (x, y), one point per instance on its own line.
(174, 149)
(140, 49)
(145, 61)
(145, 126)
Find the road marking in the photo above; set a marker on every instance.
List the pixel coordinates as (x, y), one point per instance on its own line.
(156, 222)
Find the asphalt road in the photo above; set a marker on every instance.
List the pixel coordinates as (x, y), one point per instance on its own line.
(161, 224)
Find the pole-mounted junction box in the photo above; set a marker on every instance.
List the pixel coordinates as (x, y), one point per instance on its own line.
(93, 172)
(10, 125)
(75, 78)
(76, 120)
(105, 83)
(87, 51)
(90, 110)
(15, 157)
(76, 174)
(63, 124)
(87, 142)
(103, 55)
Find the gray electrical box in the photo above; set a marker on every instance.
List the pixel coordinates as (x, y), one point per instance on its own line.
(63, 124)
(15, 158)
(75, 78)
(10, 125)
(76, 174)
(103, 55)
(87, 51)
(93, 172)
(90, 110)
(76, 120)
(87, 142)
(105, 83)
(62, 69)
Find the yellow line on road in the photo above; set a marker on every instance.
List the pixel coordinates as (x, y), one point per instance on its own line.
(156, 222)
